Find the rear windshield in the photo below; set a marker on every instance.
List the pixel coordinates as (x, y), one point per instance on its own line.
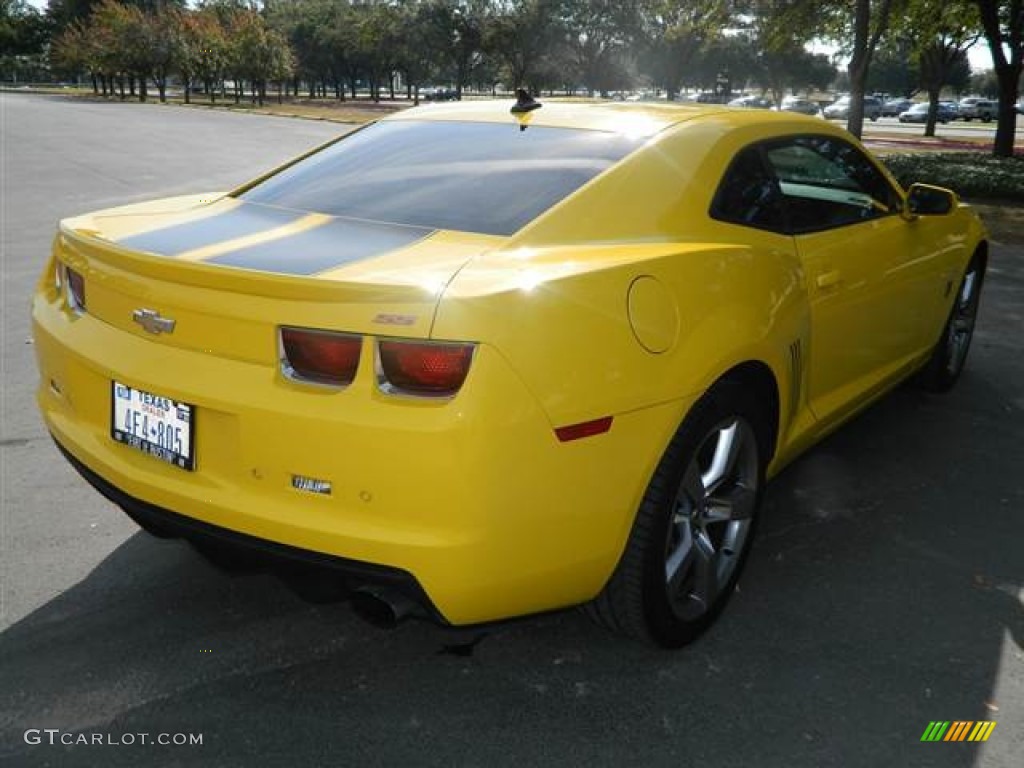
(490, 178)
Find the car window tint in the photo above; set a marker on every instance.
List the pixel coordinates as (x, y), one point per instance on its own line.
(749, 194)
(827, 182)
(491, 178)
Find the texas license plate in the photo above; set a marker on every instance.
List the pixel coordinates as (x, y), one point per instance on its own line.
(154, 424)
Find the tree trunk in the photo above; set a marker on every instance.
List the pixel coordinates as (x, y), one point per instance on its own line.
(865, 40)
(1008, 70)
(187, 84)
(933, 111)
(1007, 126)
(858, 72)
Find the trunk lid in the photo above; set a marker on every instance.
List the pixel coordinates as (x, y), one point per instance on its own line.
(229, 272)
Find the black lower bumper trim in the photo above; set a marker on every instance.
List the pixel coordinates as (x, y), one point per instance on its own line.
(271, 554)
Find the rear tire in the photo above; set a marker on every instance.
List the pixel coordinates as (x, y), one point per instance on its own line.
(950, 353)
(694, 527)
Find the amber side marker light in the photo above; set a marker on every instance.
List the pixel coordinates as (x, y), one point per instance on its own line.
(423, 369)
(321, 357)
(76, 289)
(584, 429)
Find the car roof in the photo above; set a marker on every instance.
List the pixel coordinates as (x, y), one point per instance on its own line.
(635, 119)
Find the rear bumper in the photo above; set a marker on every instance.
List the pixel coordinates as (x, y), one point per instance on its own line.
(272, 554)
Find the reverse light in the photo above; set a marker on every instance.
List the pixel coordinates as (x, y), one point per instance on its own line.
(422, 369)
(76, 289)
(321, 357)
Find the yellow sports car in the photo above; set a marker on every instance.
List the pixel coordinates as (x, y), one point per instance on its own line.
(486, 362)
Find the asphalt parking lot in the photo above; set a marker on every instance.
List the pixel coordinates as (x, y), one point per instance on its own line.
(885, 590)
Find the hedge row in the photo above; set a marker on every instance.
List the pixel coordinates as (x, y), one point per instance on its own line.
(972, 175)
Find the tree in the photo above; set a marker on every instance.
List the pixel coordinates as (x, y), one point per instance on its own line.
(66, 13)
(424, 43)
(210, 49)
(457, 28)
(163, 28)
(1003, 23)
(258, 54)
(308, 25)
(894, 69)
(675, 34)
(598, 32)
(939, 37)
(868, 24)
(24, 33)
(526, 36)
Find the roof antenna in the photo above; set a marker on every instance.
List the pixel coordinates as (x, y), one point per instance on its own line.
(524, 102)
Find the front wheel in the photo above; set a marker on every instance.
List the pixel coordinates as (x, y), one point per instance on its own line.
(950, 353)
(694, 527)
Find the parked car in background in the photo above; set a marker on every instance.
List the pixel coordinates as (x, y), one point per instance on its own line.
(752, 102)
(976, 108)
(840, 110)
(919, 113)
(893, 107)
(441, 94)
(803, 106)
(709, 97)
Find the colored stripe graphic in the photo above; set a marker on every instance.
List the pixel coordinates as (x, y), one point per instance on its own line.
(982, 731)
(958, 730)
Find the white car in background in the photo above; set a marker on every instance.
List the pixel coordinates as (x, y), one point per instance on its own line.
(975, 107)
(840, 110)
(803, 106)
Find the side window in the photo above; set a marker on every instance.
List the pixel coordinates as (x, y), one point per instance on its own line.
(749, 194)
(827, 183)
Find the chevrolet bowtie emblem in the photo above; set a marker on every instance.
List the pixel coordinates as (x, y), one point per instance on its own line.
(152, 321)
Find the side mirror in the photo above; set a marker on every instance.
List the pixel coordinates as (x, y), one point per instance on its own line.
(926, 200)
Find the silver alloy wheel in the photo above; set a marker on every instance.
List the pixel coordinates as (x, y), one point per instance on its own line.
(961, 324)
(711, 518)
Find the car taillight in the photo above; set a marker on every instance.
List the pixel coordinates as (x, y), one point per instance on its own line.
(76, 289)
(424, 369)
(323, 357)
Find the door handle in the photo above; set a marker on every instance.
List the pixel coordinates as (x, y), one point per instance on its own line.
(828, 279)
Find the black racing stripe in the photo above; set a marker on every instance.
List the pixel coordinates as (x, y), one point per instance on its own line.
(246, 219)
(339, 242)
